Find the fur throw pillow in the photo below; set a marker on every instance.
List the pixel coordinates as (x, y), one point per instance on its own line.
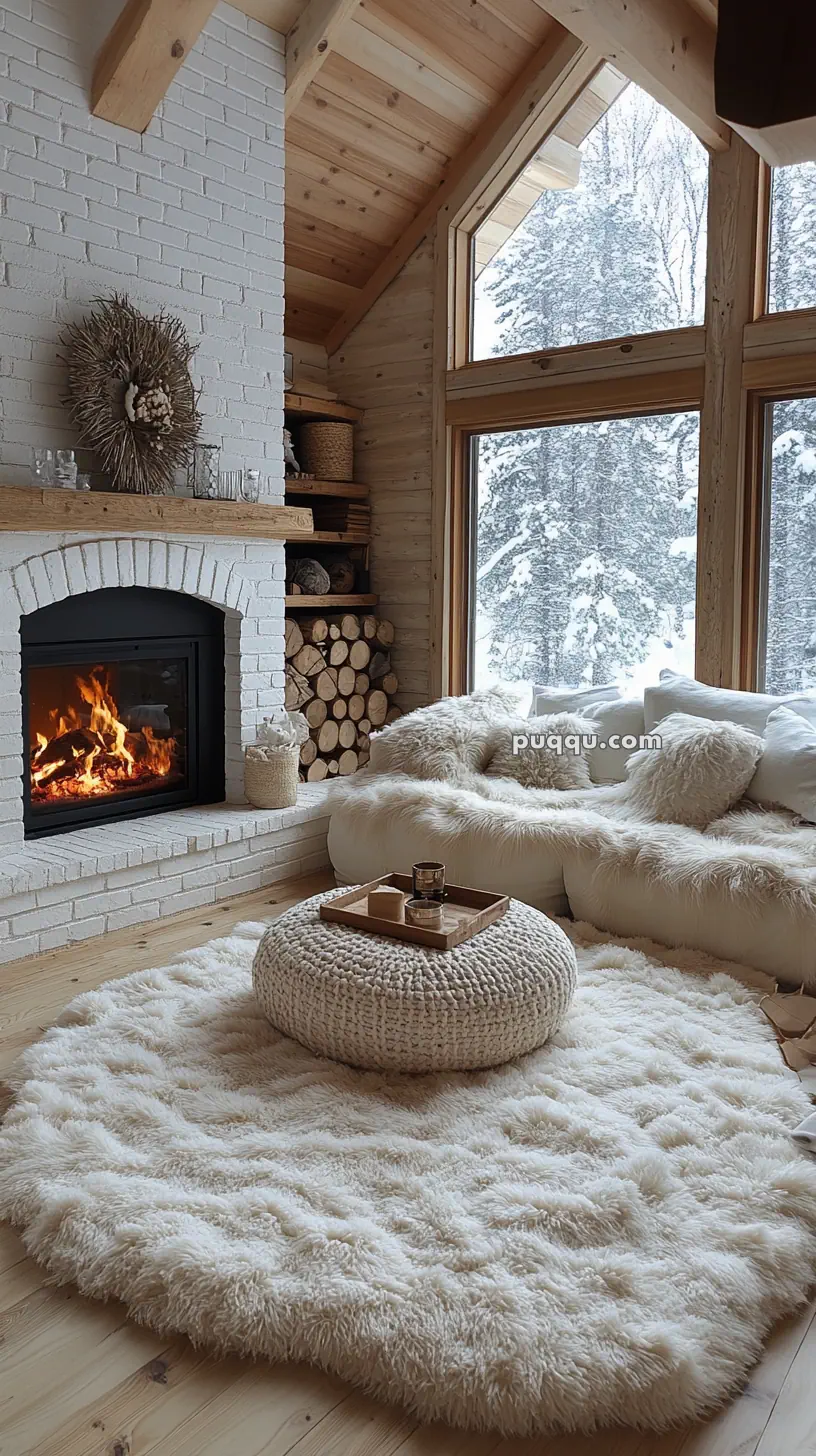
(702, 769)
(536, 762)
(444, 739)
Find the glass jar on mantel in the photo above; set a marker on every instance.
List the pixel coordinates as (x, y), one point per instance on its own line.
(203, 472)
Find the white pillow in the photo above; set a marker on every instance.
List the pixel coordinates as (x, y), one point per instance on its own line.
(702, 768)
(625, 719)
(677, 694)
(569, 700)
(787, 770)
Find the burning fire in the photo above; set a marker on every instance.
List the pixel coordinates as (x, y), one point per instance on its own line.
(95, 753)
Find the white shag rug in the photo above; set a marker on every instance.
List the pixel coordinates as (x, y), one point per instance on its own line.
(603, 1231)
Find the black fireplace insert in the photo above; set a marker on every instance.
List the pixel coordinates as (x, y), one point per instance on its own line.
(123, 707)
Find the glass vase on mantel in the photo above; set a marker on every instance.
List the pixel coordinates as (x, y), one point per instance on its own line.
(203, 472)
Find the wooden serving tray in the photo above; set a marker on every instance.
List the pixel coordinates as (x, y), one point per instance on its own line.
(464, 913)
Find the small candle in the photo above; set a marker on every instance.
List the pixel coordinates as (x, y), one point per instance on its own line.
(427, 913)
(385, 902)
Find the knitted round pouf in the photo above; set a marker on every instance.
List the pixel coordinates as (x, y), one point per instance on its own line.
(388, 1004)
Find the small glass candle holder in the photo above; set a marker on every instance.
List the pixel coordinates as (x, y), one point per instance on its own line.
(65, 469)
(425, 913)
(250, 485)
(42, 465)
(428, 880)
(229, 485)
(202, 472)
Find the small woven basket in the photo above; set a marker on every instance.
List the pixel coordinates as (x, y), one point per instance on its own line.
(327, 449)
(272, 783)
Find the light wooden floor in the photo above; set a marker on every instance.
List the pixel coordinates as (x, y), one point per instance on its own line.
(77, 1379)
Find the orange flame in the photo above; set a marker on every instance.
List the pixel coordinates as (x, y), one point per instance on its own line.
(100, 756)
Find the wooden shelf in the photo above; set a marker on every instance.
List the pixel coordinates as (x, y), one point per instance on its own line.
(342, 538)
(312, 407)
(27, 508)
(364, 599)
(346, 491)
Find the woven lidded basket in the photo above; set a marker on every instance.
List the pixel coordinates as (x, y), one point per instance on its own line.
(327, 449)
(272, 783)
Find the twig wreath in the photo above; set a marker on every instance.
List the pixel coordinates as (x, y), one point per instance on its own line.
(131, 395)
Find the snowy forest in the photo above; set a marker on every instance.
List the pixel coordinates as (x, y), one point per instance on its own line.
(586, 545)
(790, 660)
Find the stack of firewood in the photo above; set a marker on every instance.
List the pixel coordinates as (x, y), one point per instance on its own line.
(338, 674)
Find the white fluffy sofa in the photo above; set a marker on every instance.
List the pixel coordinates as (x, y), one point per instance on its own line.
(743, 887)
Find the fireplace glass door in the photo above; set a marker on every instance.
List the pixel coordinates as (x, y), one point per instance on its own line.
(120, 726)
(104, 728)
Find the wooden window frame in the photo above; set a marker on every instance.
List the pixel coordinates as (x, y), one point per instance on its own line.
(729, 368)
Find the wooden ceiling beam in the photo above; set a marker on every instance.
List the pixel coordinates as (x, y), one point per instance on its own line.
(144, 50)
(545, 86)
(310, 41)
(663, 45)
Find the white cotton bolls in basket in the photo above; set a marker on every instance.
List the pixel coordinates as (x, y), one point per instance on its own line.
(271, 763)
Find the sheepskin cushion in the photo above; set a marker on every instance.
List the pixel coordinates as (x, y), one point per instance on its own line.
(537, 766)
(443, 740)
(601, 1232)
(374, 1001)
(702, 768)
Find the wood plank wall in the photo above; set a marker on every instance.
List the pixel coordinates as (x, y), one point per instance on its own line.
(385, 368)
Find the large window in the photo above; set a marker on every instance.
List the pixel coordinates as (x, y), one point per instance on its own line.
(788, 642)
(585, 550)
(792, 251)
(602, 235)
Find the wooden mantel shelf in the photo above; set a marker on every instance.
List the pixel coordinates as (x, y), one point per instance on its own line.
(26, 508)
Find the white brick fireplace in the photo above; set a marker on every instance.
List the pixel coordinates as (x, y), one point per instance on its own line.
(187, 217)
(70, 886)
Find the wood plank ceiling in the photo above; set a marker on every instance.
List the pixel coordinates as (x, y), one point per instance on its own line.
(404, 89)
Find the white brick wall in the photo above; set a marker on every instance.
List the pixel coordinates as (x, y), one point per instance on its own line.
(188, 217)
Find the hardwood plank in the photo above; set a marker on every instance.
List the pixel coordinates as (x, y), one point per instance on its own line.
(327, 487)
(791, 1429)
(329, 250)
(732, 234)
(663, 45)
(317, 292)
(160, 1395)
(146, 47)
(309, 407)
(385, 207)
(313, 324)
(376, 48)
(313, 35)
(390, 104)
(406, 32)
(478, 38)
(358, 599)
(639, 354)
(78, 1380)
(673, 390)
(24, 508)
(396, 157)
(264, 1412)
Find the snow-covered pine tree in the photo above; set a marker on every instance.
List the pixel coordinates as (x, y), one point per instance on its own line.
(583, 529)
(790, 661)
